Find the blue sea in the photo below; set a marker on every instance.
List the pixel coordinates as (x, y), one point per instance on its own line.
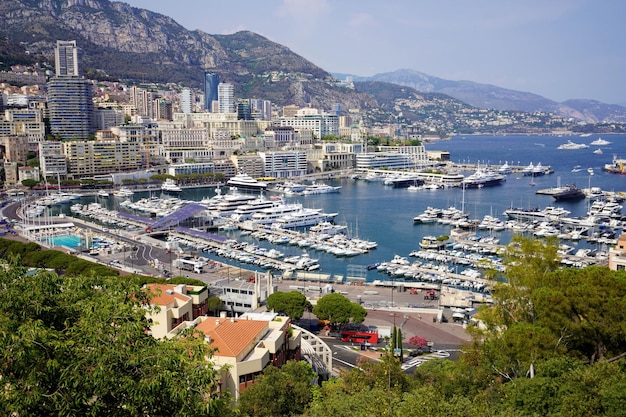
(384, 214)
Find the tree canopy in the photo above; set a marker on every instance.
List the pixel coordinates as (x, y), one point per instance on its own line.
(339, 310)
(285, 391)
(292, 303)
(79, 346)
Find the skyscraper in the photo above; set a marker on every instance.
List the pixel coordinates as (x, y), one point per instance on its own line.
(185, 100)
(69, 96)
(211, 81)
(66, 59)
(226, 97)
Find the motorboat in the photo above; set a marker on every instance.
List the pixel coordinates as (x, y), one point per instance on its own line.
(170, 186)
(123, 192)
(244, 181)
(598, 151)
(102, 193)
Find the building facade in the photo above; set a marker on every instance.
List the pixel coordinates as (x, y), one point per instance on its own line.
(211, 81)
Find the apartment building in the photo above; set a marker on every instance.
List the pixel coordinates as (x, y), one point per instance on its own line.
(88, 158)
(284, 164)
(177, 304)
(617, 254)
(52, 160)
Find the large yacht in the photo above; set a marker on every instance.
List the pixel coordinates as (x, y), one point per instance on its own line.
(532, 214)
(246, 211)
(482, 178)
(270, 215)
(303, 218)
(320, 189)
(245, 182)
(229, 203)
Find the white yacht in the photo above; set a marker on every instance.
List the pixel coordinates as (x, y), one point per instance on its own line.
(227, 206)
(600, 142)
(103, 193)
(320, 189)
(246, 182)
(123, 192)
(505, 169)
(270, 215)
(303, 218)
(572, 145)
(170, 186)
(246, 211)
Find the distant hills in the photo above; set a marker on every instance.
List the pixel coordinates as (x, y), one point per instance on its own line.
(488, 96)
(118, 41)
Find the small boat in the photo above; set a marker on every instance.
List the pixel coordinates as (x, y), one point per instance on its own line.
(598, 151)
(577, 168)
(590, 171)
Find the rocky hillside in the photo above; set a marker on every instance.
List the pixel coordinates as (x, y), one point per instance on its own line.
(487, 96)
(130, 43)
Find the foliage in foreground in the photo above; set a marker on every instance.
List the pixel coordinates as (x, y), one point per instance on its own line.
(78, 346)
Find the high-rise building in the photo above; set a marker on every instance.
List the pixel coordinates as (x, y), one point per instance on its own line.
(226, 97)
(70, 101)
(66, 59)
(244, 111)
(185, 101)
(211, 81)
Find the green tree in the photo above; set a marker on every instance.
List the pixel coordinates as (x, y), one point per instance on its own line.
(284, 391)
(339, 310)
(292, 303)
(30, 183)
(79, 346)
(214, 304)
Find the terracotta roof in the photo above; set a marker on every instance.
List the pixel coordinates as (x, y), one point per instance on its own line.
(231, 338)
(161, 296)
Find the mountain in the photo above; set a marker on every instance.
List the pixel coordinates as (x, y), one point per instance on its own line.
(488, 96)
(130, 43)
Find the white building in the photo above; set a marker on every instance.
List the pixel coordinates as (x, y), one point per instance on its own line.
(226, 98)
(284, 164)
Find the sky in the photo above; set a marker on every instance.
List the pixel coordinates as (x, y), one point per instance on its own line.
(559, 49)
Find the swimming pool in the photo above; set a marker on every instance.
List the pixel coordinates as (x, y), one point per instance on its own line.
(69, 241)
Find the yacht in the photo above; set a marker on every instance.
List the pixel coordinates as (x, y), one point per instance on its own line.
(598, 151)
(572, 145)
(227, 206)
(600, 142)
(302, 218)
(170, 186)
(102, 193)
(432, 242)
(569, 192)
(533, 214)
(246, 211)
(270, 215)
(246, 182)
(320, 189)
(482, 178)
(505, 169)
(123, 192)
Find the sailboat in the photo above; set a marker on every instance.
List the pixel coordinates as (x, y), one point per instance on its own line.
(532, 180)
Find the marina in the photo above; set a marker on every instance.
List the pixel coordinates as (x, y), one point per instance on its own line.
(368, 223)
